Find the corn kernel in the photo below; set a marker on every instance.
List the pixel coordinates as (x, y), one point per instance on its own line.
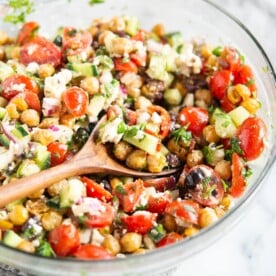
(20, 103)
(159, 29)
(26, 246)
(190, 231)
(232, 95)
(18, 215)
(46, 70)
(227, 201)
(252, 105)
(5, 224)
(12, 111)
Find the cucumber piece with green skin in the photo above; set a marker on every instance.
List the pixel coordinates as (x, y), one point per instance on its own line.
(148, 143)
(175, 39)
(2, 112)
(216, 113)
(19, 131)
(42, 158)
(132, 25)
(84, 69)
(224, 126)
(12, 239)
(239, 115)
(71, 192)
(26, 168)
(95, 106)
(11, 205)
(4, 140)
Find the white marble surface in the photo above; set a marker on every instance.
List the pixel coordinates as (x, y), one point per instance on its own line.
(249, 248)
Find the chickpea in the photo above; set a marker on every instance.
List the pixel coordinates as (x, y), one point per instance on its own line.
(142, 103)
(175, 148)
(140, 251)
(26, 246)
(133, 82)
(227, 202)
(130, 242)
(190, 231)
(114, 182)
(156, 162)
(207, 216)
(219, 211)
(37, 207)
(203, 95)
(51, 220)
(30, 117)
(223, 169)
(90, 84)
(103, 35)
(194, 158)
(206, 51)
(47, 122)
(137, 160)
(46, 70)
(15, 52)
(159, 29)
(169, 223)
(117, 24)
(111, 244)
(56, 188)
(18, 215)
(209, 134)
(122, 150)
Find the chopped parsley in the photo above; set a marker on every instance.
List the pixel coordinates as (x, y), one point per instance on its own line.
(157, 233)
(120, 190)
(234, 147)
(217, 51)
(92, 2)
(181, 134)
(224, 185)
(45, 249)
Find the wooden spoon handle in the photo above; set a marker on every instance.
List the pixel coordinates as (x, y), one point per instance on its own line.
(25, 186)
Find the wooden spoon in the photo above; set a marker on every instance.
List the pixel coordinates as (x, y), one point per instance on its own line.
(92, 158)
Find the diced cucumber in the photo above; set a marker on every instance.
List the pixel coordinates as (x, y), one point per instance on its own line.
(172, 96)
(85, 69)
(42, 157)
(19, 131)
(148, 143)
(5, 71)
(215, 114)
(12, 239)
(71, 192)
(175, 39)
(2, 112)
(95, 106)
(132, 25)
(224, 126)
(105, 62)
(26, 168)
(4, 140)
(239, 115)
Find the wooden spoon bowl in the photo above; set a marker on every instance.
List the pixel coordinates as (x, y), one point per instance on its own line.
(92, 158)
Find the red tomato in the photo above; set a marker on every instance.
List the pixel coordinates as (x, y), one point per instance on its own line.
(32, 100)
(140, 36)
(158, 204)
(125, 66)
(204, 185)
(140, 222)
(232, 57)
(195, 118)
(93, 189)
(185, 210)
(251, 134)
(75, 100)
(130, 195)
(225, 104)
(100, 215)
(58, 152)
(238, 182)
(64, 239)
(41, 51)
(92, 252)
(161, 184)
(166, 120)
(219, 82)
(170, 238)
(130, 117)
(16, 84)
(27, 32)
(244, 75)
(75, 42)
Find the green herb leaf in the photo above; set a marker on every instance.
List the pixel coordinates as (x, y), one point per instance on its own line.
(225, 185)
(234, 147)
(45, 249)
(157, 233)
(92, 2)
(120, 190)
(217, 51)
(183, 135)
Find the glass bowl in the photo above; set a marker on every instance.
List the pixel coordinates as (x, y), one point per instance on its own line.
(195, 19)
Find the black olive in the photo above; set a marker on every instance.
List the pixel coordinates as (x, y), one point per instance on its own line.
(194, 178)
(106, 184)
(214, 192)
(58, 40)
(80, 137)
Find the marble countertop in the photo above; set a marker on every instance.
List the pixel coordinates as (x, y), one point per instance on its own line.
(248, 249)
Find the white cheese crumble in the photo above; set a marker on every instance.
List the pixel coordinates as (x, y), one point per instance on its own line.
(32, 67)
(97, 237)
(142, 117)
(56, 84)
(156, 118)
(109, 133)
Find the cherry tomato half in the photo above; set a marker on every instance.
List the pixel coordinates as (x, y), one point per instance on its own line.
(64, 239)
(32, 100)
(16, 84)
(92, 252)
(204, 185)
(251, 134)
(140, 222)
(232, 57)
(244, 75)
(75, 100)
(238, 182)
(100, 215)
(125, 66)
(195, 118)
(27, 32)
(170, 238)
(158, 204)
(161, 184)
(58, 152)
(226, 104)
(219, 82)
(93, 189)
(41, 51)
(129, 195)
(185, 210)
